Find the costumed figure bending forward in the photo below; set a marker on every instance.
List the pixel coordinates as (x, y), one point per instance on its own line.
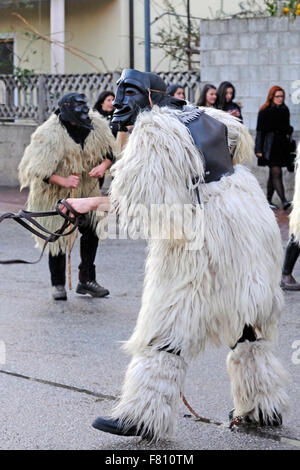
(218, 282)
(72, 149)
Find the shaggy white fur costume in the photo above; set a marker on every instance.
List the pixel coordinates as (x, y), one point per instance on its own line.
(53, 151)
(295, 214)
(192, 297)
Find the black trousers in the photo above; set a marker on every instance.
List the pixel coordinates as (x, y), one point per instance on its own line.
(87, 269)
(291, 255)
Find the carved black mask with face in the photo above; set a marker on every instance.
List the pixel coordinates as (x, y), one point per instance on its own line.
(136, 92)
(73, 108)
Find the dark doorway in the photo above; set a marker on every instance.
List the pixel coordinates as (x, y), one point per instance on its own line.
(6, 56)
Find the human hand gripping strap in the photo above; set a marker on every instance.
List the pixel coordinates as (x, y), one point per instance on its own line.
(26, 219)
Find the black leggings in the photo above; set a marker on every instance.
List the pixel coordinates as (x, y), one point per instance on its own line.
(87, 270)
(291, 255)
(275, 183)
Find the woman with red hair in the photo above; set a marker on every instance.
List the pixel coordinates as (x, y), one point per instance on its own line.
(272, 145)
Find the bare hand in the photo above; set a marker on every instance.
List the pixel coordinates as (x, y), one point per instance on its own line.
(84, 205)
(80, 205)
(259, 155)
(98, 171)
(71, 181)
(235, 112)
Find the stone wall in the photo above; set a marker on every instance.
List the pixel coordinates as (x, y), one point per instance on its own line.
(254, 54)
(13, 140)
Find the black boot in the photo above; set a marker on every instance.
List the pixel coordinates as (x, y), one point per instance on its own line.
(114, 426)
(92, 288)
(59, 293)
(274, 420)
(286, 205)
(288, 282)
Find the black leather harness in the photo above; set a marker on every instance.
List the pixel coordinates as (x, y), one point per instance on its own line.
(26, 219)
(210, 138)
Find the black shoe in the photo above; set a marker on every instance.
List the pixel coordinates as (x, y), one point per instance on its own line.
(274, 420)
(92, 288)
(113, 426)
(288, 282)
(273, 206)
(286, 205)
(59, 293)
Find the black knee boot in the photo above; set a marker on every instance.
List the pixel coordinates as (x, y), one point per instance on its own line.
(57, 266)
(291, 255)
(87, 270)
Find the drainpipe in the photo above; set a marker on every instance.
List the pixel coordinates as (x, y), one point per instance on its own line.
(147, 36)
(279, 7)
(131, 34)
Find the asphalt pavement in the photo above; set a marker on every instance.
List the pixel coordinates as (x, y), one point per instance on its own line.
(61, 363)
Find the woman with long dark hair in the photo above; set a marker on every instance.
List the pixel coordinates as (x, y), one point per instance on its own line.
(177, 91)
(208, 96)
(226, 95)
(272, 145)
(104, 104)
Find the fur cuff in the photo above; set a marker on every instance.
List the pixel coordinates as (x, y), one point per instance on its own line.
(258, 381)
(151, 392)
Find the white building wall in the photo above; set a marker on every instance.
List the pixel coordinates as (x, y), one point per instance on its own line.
(99, 28)
(57, 35)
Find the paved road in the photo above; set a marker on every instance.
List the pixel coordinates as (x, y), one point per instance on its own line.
(64, 365)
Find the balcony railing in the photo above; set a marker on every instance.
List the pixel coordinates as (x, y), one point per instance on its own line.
(35, 97)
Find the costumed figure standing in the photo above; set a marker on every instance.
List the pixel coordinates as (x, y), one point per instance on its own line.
(71, 150)
(222, 289)
(293, 247)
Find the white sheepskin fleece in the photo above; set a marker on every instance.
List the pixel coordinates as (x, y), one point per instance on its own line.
(191, 296)
(151, 393)
(295, 214)
(53, 151)
(258, 381)
(156, 168)
(206, 294)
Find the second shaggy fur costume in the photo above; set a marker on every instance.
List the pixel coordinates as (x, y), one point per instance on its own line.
(207, 294)
(52, 150)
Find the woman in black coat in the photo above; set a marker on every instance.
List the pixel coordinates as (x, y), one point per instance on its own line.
(272, 145)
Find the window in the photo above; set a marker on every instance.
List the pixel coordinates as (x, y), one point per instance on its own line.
(6, 56)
